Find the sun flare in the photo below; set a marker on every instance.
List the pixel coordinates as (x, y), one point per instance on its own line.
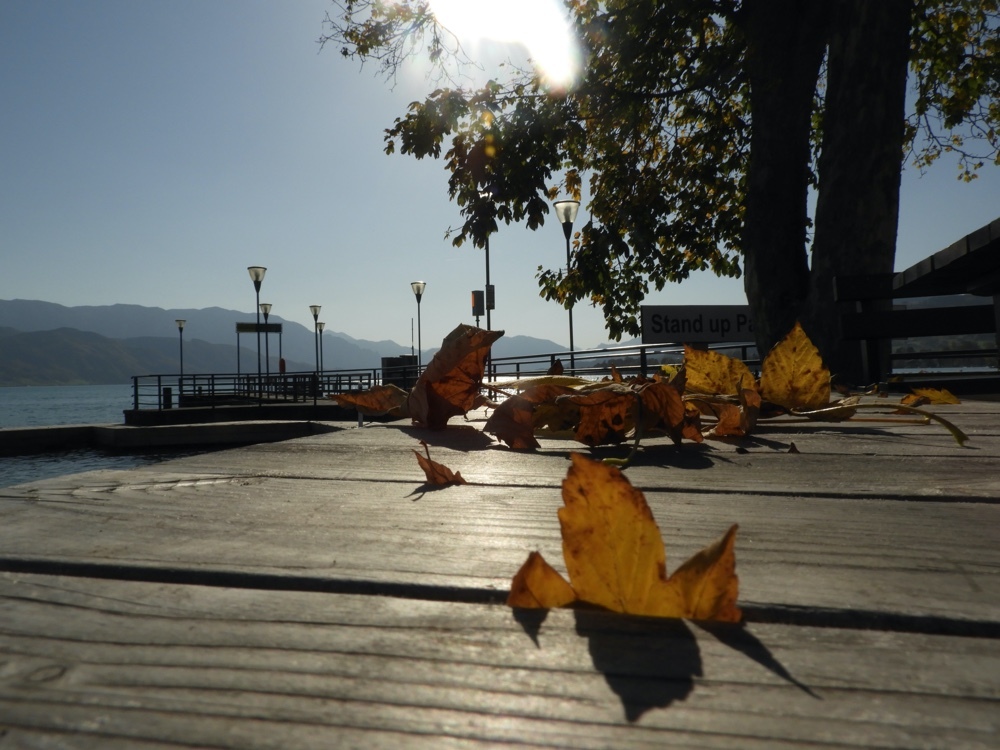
(541, 27)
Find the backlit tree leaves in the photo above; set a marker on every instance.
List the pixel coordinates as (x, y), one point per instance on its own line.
(616, 559)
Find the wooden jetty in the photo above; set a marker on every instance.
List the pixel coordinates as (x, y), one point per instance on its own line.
(315, 593)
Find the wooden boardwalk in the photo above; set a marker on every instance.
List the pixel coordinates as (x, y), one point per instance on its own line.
(314, 593)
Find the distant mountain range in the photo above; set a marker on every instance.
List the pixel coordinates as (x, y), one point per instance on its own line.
(43, 343)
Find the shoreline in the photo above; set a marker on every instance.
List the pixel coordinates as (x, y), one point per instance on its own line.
(15, 441)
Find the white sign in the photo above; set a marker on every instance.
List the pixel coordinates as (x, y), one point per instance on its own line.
(696, 324)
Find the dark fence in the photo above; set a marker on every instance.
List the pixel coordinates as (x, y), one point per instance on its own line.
(158, 392)
(179, 391)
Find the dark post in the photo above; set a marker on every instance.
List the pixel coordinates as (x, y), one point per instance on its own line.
(257, 276)
(418, 292)
(566, 214)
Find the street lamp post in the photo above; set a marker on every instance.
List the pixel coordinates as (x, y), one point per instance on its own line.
(314, 309)
(485, 195)
(566, 214)
(418, 292)
(180, 334)
(321, 325)
(265, 308)
(257, 276)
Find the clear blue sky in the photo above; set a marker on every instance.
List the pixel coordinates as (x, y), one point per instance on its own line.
(150, 151)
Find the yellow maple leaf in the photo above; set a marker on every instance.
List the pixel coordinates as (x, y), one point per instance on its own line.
(793, 374)
(713, 373)
(615, 556)
(538, 585)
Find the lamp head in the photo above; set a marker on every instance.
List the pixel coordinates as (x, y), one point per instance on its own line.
(256, 275)
(314, 309)
(265, 307)
(418, 289)
(180, 324)
(566, 215)
(321, 325)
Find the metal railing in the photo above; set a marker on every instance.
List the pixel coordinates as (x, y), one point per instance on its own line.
(157, 392)
(212, 390)
(629, 361)
(175, 391)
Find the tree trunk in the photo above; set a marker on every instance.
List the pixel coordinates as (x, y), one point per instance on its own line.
(785, 44)
(857, 208)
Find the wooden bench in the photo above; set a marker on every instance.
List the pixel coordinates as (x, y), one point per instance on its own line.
(969, 266)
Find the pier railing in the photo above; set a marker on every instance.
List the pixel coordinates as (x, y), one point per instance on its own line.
(158, 392)
(211, 390)
(170, 391)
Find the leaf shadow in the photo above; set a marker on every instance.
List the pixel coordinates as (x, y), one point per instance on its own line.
(647, 662)
(651, 662)
(738, 638)
(531, 621)
(428, 487)
(686, 456)
(455, 437)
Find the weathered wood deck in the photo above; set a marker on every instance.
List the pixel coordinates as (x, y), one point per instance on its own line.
(314, 593)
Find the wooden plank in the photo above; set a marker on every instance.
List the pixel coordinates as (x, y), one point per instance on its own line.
(112, 664)
(818, 549)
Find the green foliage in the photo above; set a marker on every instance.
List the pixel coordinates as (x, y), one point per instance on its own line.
(956, 64)
(658, 126)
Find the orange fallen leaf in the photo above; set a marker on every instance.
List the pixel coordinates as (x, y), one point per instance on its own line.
(605, 414)
(515, 420)
(615, 556)
(437, 474)
(931, 396)
(663, 408)
(737, 419)
(793, 374)
(537, 585)
(381, 399)
(450, 384)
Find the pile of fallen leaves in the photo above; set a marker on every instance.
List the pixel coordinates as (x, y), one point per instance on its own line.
(612, 548)
(710, 396)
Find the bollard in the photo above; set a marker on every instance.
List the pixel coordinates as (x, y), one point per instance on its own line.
(168, 397)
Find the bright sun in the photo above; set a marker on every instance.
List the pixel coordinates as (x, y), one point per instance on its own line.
(540, 26)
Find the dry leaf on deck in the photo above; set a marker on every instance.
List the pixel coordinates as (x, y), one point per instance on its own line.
(713, 373)
(663, 408)
(450, 384)
(516, 419)
(382, 399)
(930, 396)
(605, 414)
(736, 419)
(539, 585)
(437, 474)
(616, 559)
(793, 374)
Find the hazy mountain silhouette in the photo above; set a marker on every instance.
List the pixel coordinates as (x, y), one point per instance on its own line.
(44, 343)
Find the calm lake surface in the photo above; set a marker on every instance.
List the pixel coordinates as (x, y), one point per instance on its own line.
(41, 406)
(37, 406)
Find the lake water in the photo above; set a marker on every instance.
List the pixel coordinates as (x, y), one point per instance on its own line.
(39, 406)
